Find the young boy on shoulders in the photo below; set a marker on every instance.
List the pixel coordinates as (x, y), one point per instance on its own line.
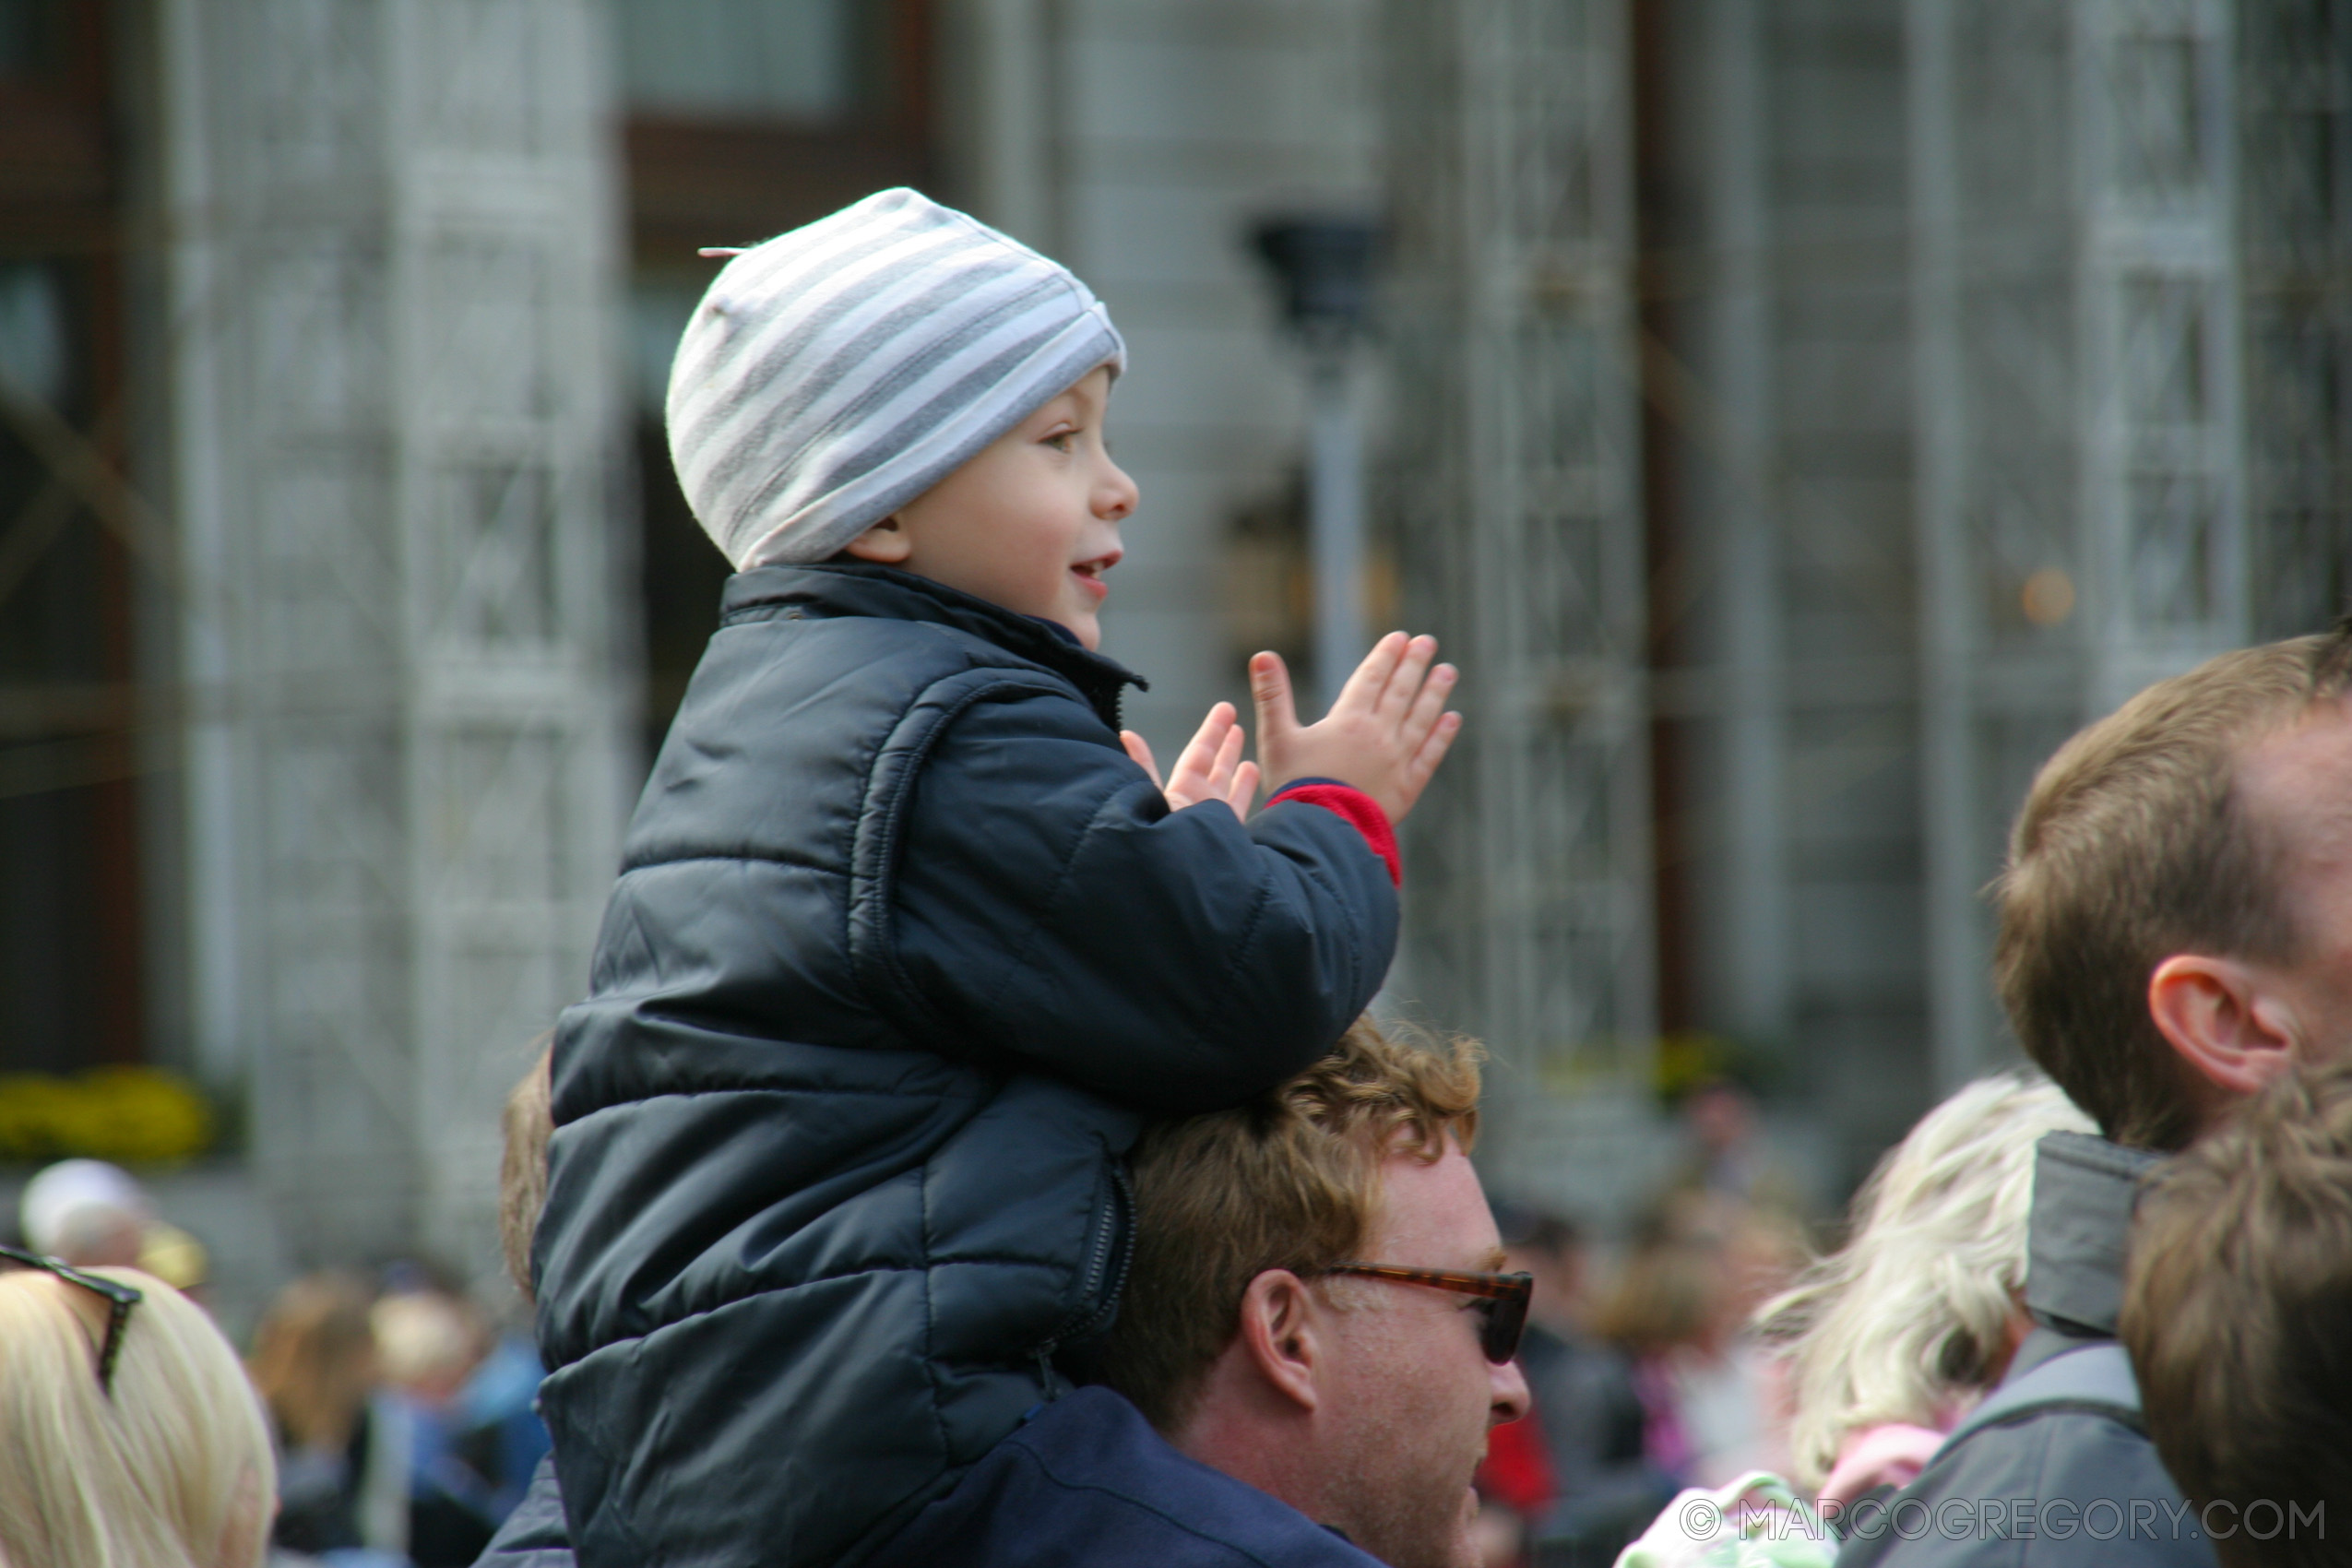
(909, 937)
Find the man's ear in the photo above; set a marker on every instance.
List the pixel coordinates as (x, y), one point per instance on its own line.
(2225, 1023)
(1280, 1333)
(885, 544)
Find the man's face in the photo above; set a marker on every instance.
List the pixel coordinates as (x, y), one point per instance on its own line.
(2298, 782)
(1031, 522)
(1413, 1393)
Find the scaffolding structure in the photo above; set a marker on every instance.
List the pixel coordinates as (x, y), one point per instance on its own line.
(2295, 268)
(1516, 487)
(1786, 596)
(390, 251)
(2112, 244)
(2081, 508)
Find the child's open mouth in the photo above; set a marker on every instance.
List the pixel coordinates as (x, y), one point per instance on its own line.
(1091, 574)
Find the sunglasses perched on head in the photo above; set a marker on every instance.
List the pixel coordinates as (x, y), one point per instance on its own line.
(1504, 1307)
(120, 1298)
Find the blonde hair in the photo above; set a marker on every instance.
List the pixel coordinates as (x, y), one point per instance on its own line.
(173, 1470)
(1289, 1181)
(1913, 1313)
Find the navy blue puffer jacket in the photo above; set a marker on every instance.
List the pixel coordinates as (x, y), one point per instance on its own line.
(902, 950)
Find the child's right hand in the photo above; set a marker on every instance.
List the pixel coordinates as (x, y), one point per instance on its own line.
(1386, 735)
(1210, 768)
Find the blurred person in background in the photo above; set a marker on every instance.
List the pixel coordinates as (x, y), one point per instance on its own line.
(1573, 1477)
(131, 1437)
(495, 1415)
(344, 1456)
(94, 1215)
(428, 1343)
(1725, 1156)
(87, 1212)
(1701, 1264)
(1895, 1337)
(1665, 1310)
(1891, 1341)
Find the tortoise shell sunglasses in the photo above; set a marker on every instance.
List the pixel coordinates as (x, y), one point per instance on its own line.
(1504, 1307)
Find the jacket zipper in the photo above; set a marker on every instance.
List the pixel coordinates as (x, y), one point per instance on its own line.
(1107, 1259)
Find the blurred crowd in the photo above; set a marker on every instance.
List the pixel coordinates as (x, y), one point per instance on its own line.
(397, 1406)
(1722, 1346)
(1645, 1367)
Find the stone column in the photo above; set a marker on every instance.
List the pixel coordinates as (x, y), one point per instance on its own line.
(392, 231)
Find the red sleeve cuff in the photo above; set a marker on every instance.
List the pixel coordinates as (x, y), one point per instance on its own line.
(1361, 812)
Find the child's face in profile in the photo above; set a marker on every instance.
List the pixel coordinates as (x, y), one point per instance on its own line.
(1031, 523)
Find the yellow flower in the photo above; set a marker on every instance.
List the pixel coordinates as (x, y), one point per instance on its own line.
(132, 1116)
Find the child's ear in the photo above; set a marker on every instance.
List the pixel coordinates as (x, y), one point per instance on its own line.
(885, 544)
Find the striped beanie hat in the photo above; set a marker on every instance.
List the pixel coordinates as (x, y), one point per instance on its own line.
(833, 374)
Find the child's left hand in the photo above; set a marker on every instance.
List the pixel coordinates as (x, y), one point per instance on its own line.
(1211, 767)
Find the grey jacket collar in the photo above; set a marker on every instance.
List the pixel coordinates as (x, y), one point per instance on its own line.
(2084, 1189)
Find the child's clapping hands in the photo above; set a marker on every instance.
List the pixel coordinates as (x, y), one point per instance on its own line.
(1386, 735)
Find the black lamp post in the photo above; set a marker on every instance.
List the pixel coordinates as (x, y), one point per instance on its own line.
(1325, 266)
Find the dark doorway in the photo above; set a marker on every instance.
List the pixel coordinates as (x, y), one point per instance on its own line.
(70, 947)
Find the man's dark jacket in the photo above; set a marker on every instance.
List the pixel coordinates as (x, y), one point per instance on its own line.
(903, 948)
(1085, 1483)
(2059, 1486)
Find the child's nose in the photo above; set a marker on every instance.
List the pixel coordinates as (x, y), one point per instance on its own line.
(1117, 495)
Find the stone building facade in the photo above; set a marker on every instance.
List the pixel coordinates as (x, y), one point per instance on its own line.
(1796, 417)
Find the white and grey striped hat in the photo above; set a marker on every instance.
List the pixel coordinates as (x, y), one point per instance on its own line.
(833, 374)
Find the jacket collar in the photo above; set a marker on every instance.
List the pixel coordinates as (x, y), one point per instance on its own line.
(827, 589)
(2084, 1189)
